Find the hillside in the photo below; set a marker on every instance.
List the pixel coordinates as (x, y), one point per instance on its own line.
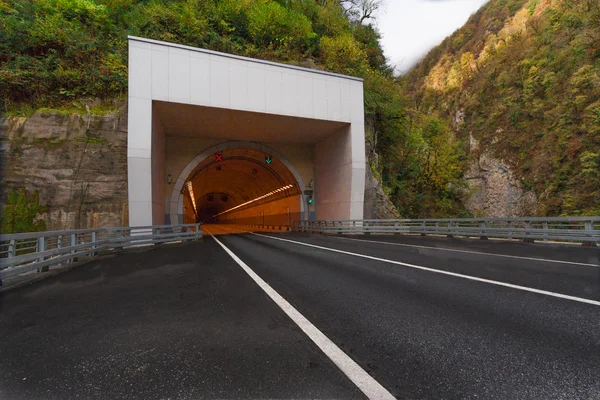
(520, 85)
(63, 80)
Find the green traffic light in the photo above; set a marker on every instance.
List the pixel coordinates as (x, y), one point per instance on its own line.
(310, 200)
(268, 160)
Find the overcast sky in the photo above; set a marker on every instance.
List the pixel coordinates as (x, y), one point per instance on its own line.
(410, 28)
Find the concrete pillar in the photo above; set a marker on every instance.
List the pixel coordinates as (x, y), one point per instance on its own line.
(139, 135)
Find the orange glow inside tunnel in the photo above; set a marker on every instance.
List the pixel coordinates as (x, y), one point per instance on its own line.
(242, 187)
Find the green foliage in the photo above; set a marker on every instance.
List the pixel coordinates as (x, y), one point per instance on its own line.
(54, 53)
(530, 95)
(272, 25)
(343, 54)
(20, 212)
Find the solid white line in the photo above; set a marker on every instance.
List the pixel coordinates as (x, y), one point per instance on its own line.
(469, 252)
(369, 386)
(473, 278)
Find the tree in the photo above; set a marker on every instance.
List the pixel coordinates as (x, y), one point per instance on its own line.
(361, 10)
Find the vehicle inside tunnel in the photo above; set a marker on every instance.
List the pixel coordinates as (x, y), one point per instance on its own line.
(242, 186)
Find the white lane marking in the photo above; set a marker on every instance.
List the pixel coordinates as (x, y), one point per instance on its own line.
(473, 278)
(369, 386)
(469, 252)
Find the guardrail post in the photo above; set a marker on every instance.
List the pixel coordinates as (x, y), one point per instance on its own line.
(12, 248)
(450, 235)
(589, 226)
(73, 243)
(367, 228)
(41, 246)
(155, 233)
(423, 229)
(94, 242)
(528, 232)
(483, 226)
(396, 228)
(545, 227)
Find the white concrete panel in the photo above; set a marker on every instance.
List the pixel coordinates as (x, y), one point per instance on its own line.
(139, 153)
(338, 211)
(141, 45)
(273, 90)
(358, 184)
(334, 185)
(200, 79)
(319, 97)
(256, 88)
(357, 210)
(139, 124)
(357, 134)
(219, 83)
(357, 104)
(289, 91)
(140, 72)
(179, 76)
(305, 96)
(334, 90)
(140, 213)
(345, 101)
(238, 85)
(334, 151)
(139, 177)
(160, 73)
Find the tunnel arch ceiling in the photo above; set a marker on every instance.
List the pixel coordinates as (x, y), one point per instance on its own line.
(237, 182)
(184, 101)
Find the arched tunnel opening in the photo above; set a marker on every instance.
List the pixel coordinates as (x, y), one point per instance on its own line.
(242, 186)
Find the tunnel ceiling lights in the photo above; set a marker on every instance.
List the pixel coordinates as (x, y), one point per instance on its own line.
(281, 189)
(191, 191)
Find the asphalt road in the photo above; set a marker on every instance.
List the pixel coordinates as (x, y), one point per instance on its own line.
(185, 321)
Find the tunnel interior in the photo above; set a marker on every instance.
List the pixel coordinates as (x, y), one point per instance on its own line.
(242, 186)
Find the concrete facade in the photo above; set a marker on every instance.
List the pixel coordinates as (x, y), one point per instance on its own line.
(184, 101)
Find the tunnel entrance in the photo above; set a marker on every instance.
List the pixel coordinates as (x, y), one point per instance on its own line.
(243, 186)
(186, 104)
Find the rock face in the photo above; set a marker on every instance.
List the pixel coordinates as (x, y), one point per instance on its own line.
(77, 163)
(494, 191)
(377, 204)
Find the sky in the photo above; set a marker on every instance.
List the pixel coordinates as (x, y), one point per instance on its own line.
(410, 28)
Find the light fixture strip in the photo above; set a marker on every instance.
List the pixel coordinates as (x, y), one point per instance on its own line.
(191, 191)
(256, 199)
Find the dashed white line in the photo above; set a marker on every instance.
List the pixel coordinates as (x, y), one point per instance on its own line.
(365, 382)
(473, 278)
(470, 252)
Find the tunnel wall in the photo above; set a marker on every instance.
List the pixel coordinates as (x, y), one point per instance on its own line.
(158, 173)
(272, 213)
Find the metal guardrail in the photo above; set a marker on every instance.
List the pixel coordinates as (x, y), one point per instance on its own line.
(570, 229)
(25, 252)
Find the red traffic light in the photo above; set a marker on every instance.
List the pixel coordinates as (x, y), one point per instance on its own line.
(218, 157)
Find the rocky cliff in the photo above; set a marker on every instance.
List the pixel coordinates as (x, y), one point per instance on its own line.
(77, 163)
